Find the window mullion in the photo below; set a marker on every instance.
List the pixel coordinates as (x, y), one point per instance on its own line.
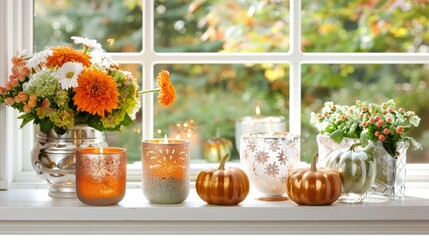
(365, 58)
(148, 60)
(295, 68)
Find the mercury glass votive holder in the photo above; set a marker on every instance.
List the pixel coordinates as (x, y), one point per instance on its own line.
(267, 159)
(101, 175)
(259, 124)
(166, 169)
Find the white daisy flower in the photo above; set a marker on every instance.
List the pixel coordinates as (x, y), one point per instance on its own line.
(90, 43)
(38, 58)
(100, 57)
(68, 74)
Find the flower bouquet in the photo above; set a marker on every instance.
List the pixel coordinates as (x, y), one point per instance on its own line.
(338, 121)
(339, 127)
(63, 86)
(387, 124)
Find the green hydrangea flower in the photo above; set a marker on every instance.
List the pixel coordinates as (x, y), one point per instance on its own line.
(43, 84)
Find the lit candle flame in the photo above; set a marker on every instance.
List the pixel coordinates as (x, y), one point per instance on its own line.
(101, 149)
(178, 136)
(258, 108)
(165, 139)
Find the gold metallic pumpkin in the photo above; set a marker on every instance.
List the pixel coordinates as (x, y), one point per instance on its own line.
(216, 147)
(222, 187)
(313, 186)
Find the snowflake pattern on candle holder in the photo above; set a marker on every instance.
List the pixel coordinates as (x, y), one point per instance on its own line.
(267, 160)
(100, 166)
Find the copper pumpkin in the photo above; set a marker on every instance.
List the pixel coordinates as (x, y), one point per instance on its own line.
(222, 187)
(313, 186)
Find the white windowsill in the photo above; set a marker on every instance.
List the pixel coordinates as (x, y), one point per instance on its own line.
(32, 211)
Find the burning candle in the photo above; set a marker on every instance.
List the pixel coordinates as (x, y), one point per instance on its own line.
(101, 175)
(166, 167)
(258, 123)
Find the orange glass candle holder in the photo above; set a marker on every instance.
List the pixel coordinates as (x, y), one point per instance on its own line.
(166, 167)
(101, 175)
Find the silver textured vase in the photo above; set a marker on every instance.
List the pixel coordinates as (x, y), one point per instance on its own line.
(54, 157)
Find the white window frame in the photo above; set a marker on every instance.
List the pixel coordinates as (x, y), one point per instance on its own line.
(17, 34)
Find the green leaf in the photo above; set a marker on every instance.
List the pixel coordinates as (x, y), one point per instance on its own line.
(364, 138)
(352, 135)
(352, 128)
(337, 136)
(94, 122)
(60, 130)
(127, 120)
(82, 118)
(331, 128)
(23, 116)
(46, 125)
(26, 118)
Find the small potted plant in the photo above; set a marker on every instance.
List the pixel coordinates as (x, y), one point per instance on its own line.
(385, 128)
(339, 126)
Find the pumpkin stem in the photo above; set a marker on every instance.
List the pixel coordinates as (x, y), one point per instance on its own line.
(352, 147)
(222, 163)
(313, 167)
(218, 149)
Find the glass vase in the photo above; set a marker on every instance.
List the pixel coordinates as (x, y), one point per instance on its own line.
(267, 158)
(391, 172)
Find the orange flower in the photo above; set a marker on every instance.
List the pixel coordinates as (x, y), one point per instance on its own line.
(61, 55)
(167, 93)
(96, 93)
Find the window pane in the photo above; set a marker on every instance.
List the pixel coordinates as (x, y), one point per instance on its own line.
(344, 84)
(213, 97)
(221, 26)
(365, 26)
(115, 24)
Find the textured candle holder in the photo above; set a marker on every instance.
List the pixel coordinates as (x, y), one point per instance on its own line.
(101, 175)
(267, 159)
(166, 167)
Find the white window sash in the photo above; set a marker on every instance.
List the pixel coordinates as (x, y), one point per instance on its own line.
(16, 25)
(16, 35)
(3, 63)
